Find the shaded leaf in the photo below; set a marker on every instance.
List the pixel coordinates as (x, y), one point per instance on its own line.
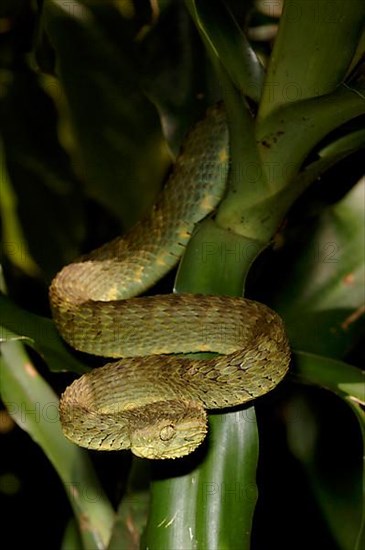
(115, 125)
(38, 332)
(329, 445)
(225, 39)
(133, 509)
(174, 72)
(339, 377)
(34, 407)
(322, 297)
(303, 63)
(289, 134)
(41, 186)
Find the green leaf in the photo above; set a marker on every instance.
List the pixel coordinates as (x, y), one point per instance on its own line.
(238, 209)
(346, 144)
(34, 407)
(291, 132)
(38, 332)
(329, 157)
(334, 474)
(305, 62)
(322, 294)
(13, 245)
(360, 415)
(229, 61)
(211, 506)
(174, 71)
(71, 537)
(314, 441)
(224, 39)
(337, 376)
(35, 165)
(214, 253)
(114, 123)
(133, 509)
(322, 302)
(200, 508)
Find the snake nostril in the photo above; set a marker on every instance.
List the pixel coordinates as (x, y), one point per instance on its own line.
(167, 433)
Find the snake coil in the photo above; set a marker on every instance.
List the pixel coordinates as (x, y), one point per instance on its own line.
(150, 400)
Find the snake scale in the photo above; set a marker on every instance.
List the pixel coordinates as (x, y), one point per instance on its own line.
(151, 400)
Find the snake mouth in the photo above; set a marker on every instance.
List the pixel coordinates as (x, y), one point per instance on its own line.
(156, 451)
(181, 427)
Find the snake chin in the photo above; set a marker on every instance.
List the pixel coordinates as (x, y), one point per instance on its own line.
(180, 429)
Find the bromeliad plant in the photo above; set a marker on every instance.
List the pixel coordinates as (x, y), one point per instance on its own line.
(293, 113)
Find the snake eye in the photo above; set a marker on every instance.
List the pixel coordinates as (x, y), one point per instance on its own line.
(167, 433)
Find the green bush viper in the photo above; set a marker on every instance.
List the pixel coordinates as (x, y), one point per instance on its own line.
(151, 401)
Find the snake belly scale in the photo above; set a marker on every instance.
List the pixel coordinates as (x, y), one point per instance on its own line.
(150, 400)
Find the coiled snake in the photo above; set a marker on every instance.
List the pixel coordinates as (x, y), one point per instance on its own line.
(151, 401)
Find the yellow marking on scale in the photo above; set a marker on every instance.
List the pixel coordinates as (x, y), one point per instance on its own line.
(138, 274)
(223, 155)
(112, 293)
(208, 203)
(183, 234)
(204, 347)
(161, 261)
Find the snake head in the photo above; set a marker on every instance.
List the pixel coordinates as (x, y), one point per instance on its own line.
(168, 429)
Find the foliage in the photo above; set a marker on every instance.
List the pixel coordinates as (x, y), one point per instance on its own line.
(95, 100)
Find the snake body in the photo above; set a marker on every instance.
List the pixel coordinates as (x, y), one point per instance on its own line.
(151, 401)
